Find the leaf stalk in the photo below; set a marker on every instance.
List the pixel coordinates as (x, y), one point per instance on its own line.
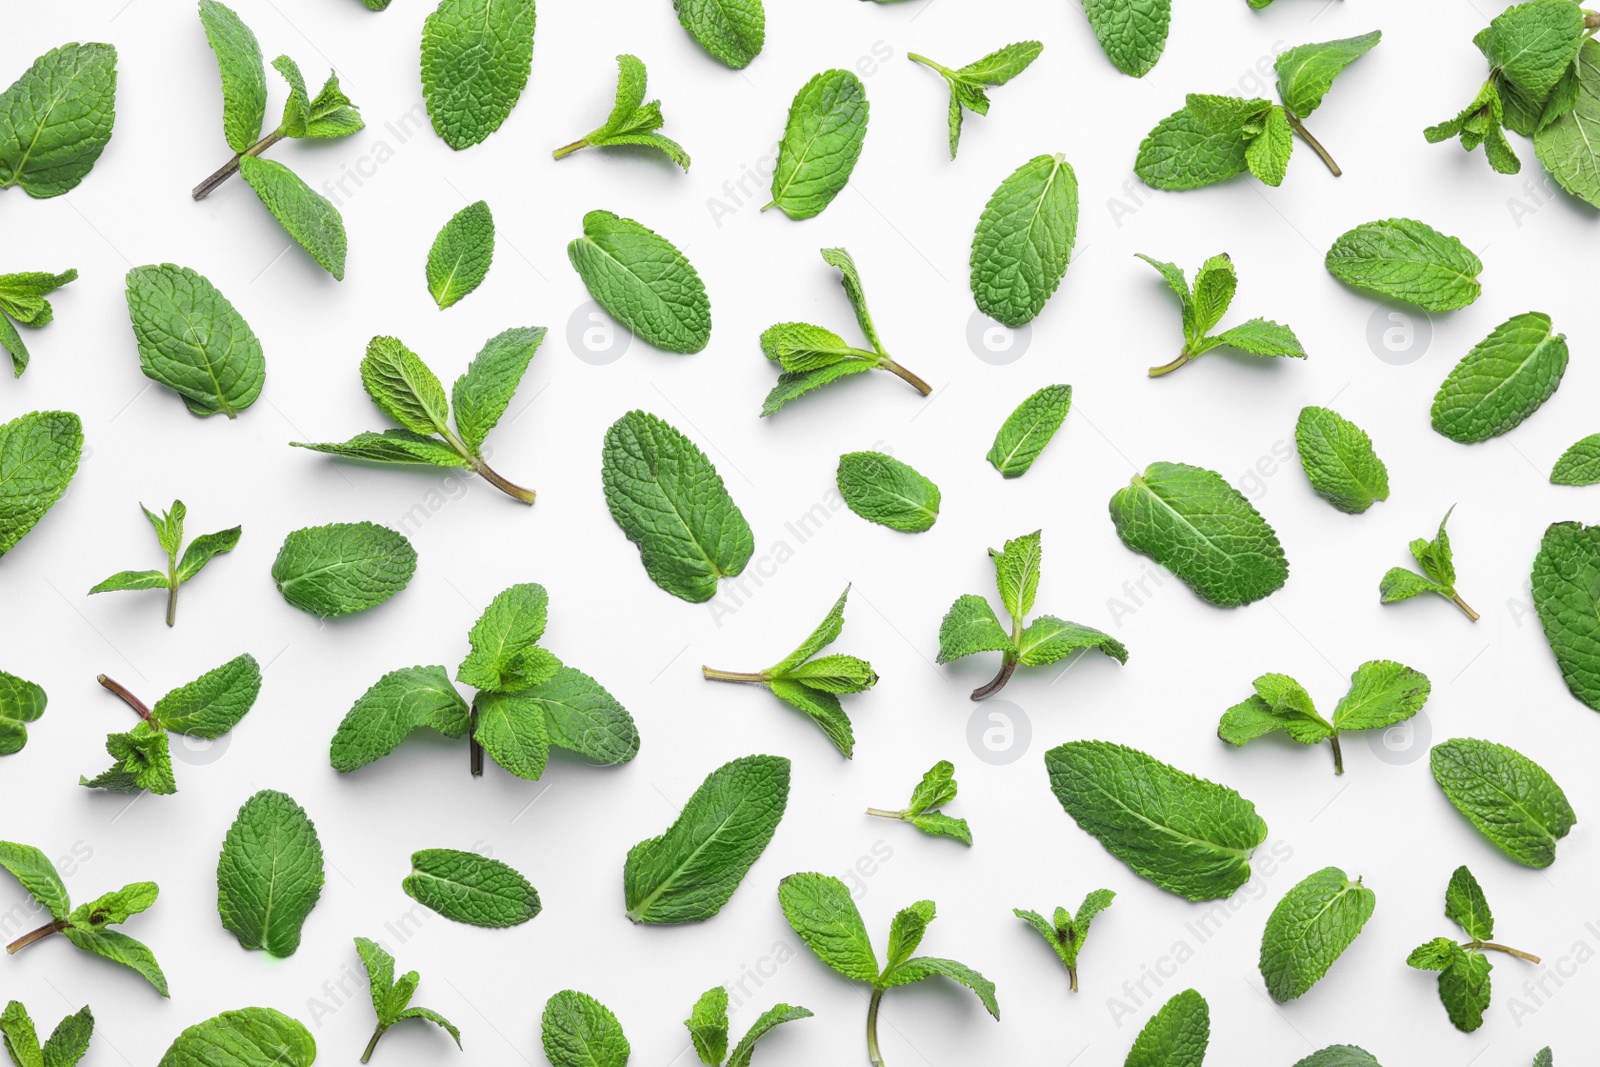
(1464, 606)
(1507, 949)
(128, 698)
(1316, 146)
(1008, 667)
(230, 168)
(1167, 368)
(894, 368)
(754, 678)
(873, 1053)
(37, 935)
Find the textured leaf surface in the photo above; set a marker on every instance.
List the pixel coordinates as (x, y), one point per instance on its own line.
(476, 58)
(39, 454)
(1566, 593)
(1510, 798)
(688, 873)
(270, 874)
(244, 75)
(1184, 153)
(213, 703)
(1467, 907)
(1338, 458)
(1132, 33)
(121, 949)
(1407, 260)
(310, 217)
(468, 888)
(1502, 380)
(1569, 147)
(820, 909)
(481, 395)
(37, 875)
(579, 1031)
(643, 282)
(883, 490)
(1340, 1056)
(1028, 429)
(398, 703)
(343, 568)
(1024, 240)
(247, 1037)
(1580, 464)
(504, 656)
(731, 30)
(56, 119)
(772, 1017)
(1175, 1036)
(21, 702)
(192, 341)
(580, 716)
(1311, 926)
(1306, 73)
(1184, 834)
(460, 257)
(1382, 693)
(827, 124)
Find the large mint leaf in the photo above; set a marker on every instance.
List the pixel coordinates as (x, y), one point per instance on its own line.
(476, 57)
(310, 217)
(827, 123)
(1409, 261)
(505, 656)
(39, 454)
(192, 341)
(1024, 240)
(55, 120)
(1175, 1036)
(213, 703)
(37, 875)
(1311, 926)
(1337, 457)
(582, 717)
(244, 76)
(1132, 33)
(1569, 147)
(1503, 380)
(342, 568)
(270, 874)
(821, 910)
(398, 703)
(1510, 798)
(1184, 153)
(731, 30)
(643, 282)
(579, 1031)
(1306, 73)
(248, 1037)
(1566, 592)
(1533, 44)
(468, 888)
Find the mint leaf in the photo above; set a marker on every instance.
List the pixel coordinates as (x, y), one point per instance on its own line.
(460, 257)
(1480, 123)
(310, 217)
(141, 760)
(246, 1037)
(688, 873)
(1340, 1056)
(244, 76)
(1409, 261)
(22, 298)
(342, 568)
(580, 716)
(1310, 928)
(1569, 145)
(1066, 933)
(1437, 563)
(1306, 72)
(1024, 240)
(765, 1022)
(391, 999)
(21, 702)
(937, 788)
(1268, 153)
(1566, 593)
(481, 395)
(56, 119)
(1507, 796)
(39, 454)
(505, 656)
(270, 874)
(192, 341)
(1579, 464)
(476, 58)
(1132, 33)
(827, 123)
(65, 1046)
(579, 1031)
(731, 30)
(632, 121)
(670, 501)
(1203, 307)
(397, 704)
(1028, 429)
(883, 490)
(1503, 380)
(1338, 459)
(465, 887)
(329, 115)
(169, 531)
(37, 875)
(643, 282)
(1191, 521)
(1467, 907)
(968, 85)
(1181, 833)
(1533, 44)
(1175, 1036)
(1182, 152)
(1464, 968)
(708, 1026)
(511, 729)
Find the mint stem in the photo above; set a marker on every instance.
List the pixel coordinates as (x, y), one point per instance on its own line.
(367, 1055)
(916, 383)
(567, 149)
(1167, 368)
(474, 749)
(1507, 949)
(733, 676)
(172, 597)
(1072, 977)
(872, 1029)
(1338, 755)
(1462, 604)
(1316, 145)
(122, 691)
(516, 492)
(925, 61)
(35, 935)
(230, 168)
(880, 813)
(1008, 667)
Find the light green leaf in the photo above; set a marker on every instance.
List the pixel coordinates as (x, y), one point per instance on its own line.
(192, 341)
(731, 30)
(920, 968)
(823, 708)
(1467, 907)
(1340, 1056)
(56, 119)
(1503, 380)
(37, 875)
(482, 394)
(1175, 1036)
(1024, 240)
(465, 887)
(310, 217)
(398, 703)
(1579, 464)
(248, 1037)
(118, 947)
(1184, 153)
(1382, 693)
(800, 346)
(797, 384)
(1533, 44)
(1306, 72)
(330, 115)
(579, 1031)
(244, 77)
(643, 282)
(505, 657)
(21, 702)
(850, 278)
(1310, 928)
(1400, 584)
(1016, 572)
(1262, 337)
(772, 1017)
(1048, 639)
(403, 387)
(827, 124)
(204, 549)
(270, 874)
(213, 703)
(1214, 286)
(1569, 146)
(580, 716)
(970, 626)
(1337, 457)
(342, 568)
(392, 446)
(1566, 593)
(476, 58)
(461, 253)
(1407, 260)
(1028, 429)
(1132, 33)
(142, 760)
(1507, 796)
(820, 910)
(1268, 153)
(881, 489)
(708, 1026)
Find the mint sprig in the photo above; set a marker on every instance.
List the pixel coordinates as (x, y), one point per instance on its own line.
(169, 532)
(391, 996)
(937, 788)
(1463, 968)
(968, 84)
(65, 1046)
(632, 121)
(1065, 932)
(1203, 306)
(1438, 573)
(708, 1028)
(23, 303)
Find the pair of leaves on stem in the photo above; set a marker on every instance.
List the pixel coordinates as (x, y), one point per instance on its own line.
(87, 926)
(1381, 694)
(1065, 932)
(342, 568)
(207, 708)
(39, 454)
(821, 910)
(708, 1028)
(1023, 241)
(821, 142)
(65, 1046)
(169, 533)
(244, 1037)
(969, 85)
(1310, 928)
(1504, 379)
(1438, 573)
(476, 58)
(1203, 306)
(937, 788)
(970, 626)
(1510, 799)
(733, 31)
(881, 489)
(689, 872)
(23, 303)
(643, 282)
(391, 996)
(811, 356)
(406, 390)
(1408, 261)
(813, 683)
(56, 119)
(527, 701)
(270, 874)
(193, 341)
(1464, 968)
(309, 217)
(466, 887)
(460, 256)
(1212, 138)
(1338, 459)
(632, 121)
(1566, 593)
(21, 702)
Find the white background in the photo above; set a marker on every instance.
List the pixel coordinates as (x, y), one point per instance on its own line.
(907, 216)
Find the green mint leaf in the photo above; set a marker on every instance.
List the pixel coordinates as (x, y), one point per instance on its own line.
(1267, 154)
(793, 385)
(688, 873)
(330, 115)
(1310, 928)
(823, 708)
(310, 217)
(1463, 980)
(192, 341)
(1203, 308)
(827, 123)
(244, 76)
(1579, 464)
(511, 730)
(1338, 459)
(390, 999)
(476, 58)
(850, 279)
(1028, 429)
(505, 656)
(21, 702)
(1340, 1056)
(1434, 955)
(970, 626)
(1182, 152)
(1507, 796)
(246, 1037)
(1132, 33)
(1048, 639)
(1569, 145)
(1399, 584)
(118, 947)
(1024, 240)
(1381, 694)
(1016, 573)
(1435, 559)
(1179, 832)
(1480, 123)
(1067, 933)
(937, 788)
(1262, 337)
(204, 549)
(380, 974)
(115, 907)
(270, 874)
(465, 887)
(800, 346)
(632, 121)
(772, 1017)
(1503, 380)
(670, 501)
(435, 1018)
(881, 489)
(1409, 261)
(731, 30)
(1191, 521)
(1467, 907)
(938, 824)
(1175, 1036)
(392, 446)
(1306, 72)
(826, 632)
(708, 1026)
(169, 532)
(1566, 593)
(920, 968)
(835, 674)
(403, 387)
(1214, 285)
(579, 1031)
(643, 282)
(460, 257)
(820, 910)
(1543, 1058)
(65, 1047)
(1279, 703)
(213, 703)
(967, 85)
(1173, 274)
(37, 875)
(22, 297)
(398, 703)
(1092, 905)
(142, 760)
(56, 119)
(342, 568)
(1533, 44)
(580, 716)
